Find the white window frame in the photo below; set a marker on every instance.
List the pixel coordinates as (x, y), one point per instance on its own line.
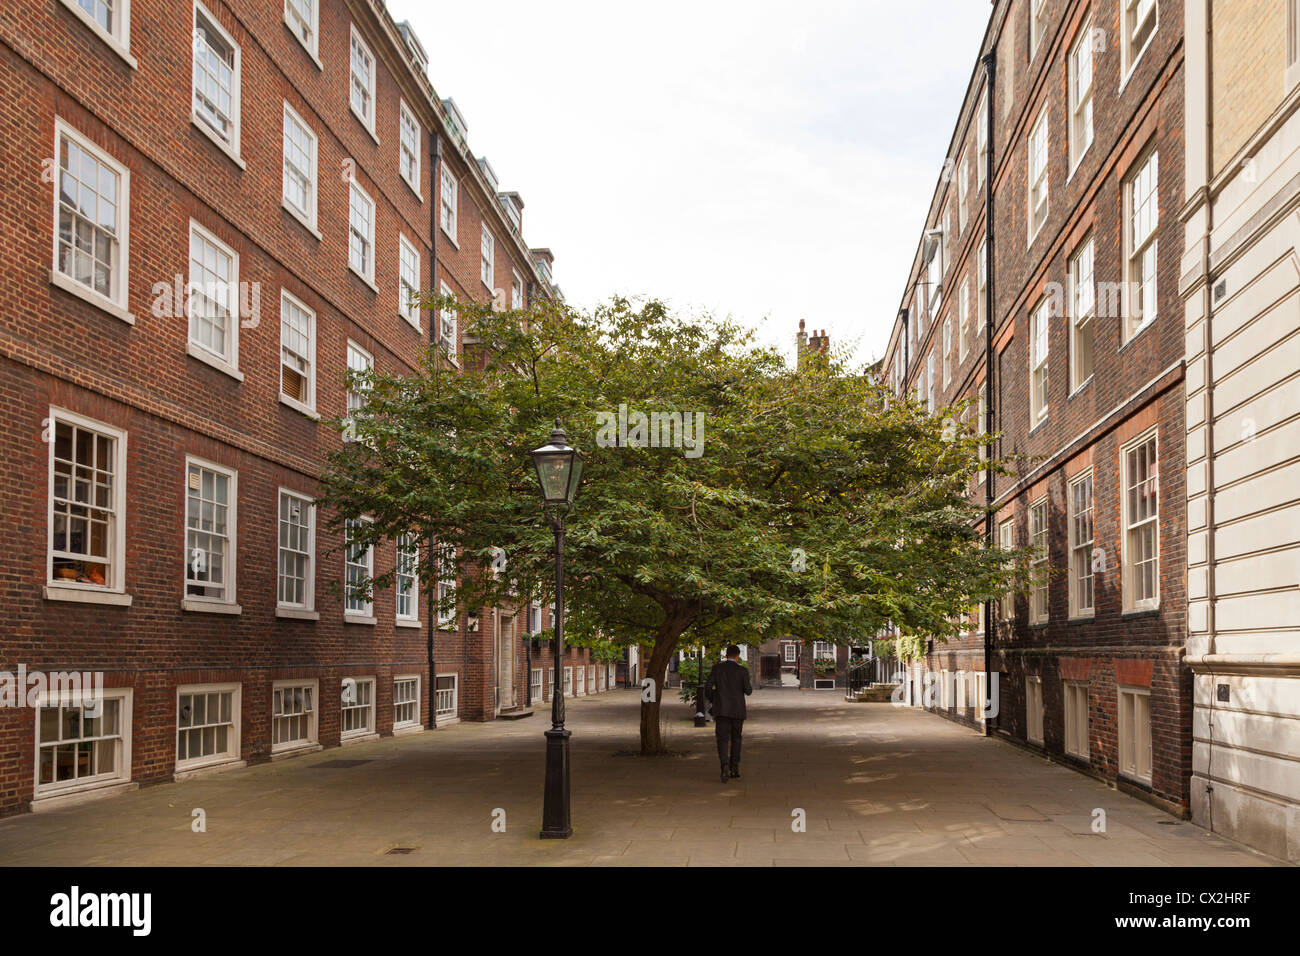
(1081, 118)
(228, 597)
(121, 772)
(366, 709)
(229, 144)
(982, 138)
(568, 682)
(449, 342)
(289, 301)
(1083, 313)
(1007, 542)
(1141, 301)
(413, 574)
(447, 714)
(116, 302)
(536, 683)
(1040, 517)
(823, 650)
(118, 37)
(306, 216)
(947, 351)
(487, 257)
(1075, 713)
(1128, 12)
(1131, 527)
(963, 322)
(367, 269)
(981, 287)
(1040, 322)
(228, 361)
(405, 120)
(1037, 26)
(979, 430)
(1034, 710)
(114, 580)
(1292, 76)
(930, 380)
(364, 611)
(1080, 495)
(963, 170)
(231, 753)
(446, 582)
(312, 716)
(1134, 707)
(449, 204)
(791, 654)
(355, 399)
(312, 47)
(1038, 151)
(308, 603)
(408, 309)
(368, 121)
(517, 293)
(414, 703)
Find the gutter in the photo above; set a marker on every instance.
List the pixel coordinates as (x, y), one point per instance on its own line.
(990, 61)
(435, 207)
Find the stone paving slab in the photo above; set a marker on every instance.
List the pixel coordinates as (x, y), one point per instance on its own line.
(877, 786)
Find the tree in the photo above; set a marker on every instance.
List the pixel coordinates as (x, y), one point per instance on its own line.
(726, 495)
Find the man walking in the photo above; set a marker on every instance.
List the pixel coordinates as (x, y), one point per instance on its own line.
(727, 688)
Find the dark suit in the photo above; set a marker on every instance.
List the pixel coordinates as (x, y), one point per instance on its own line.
(727, 687)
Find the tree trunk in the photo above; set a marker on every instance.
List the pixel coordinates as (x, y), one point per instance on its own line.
(657, 669)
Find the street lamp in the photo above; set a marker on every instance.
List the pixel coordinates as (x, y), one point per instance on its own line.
(559, 469)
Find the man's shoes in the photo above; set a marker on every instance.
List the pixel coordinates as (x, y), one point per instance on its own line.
(735, 772)
(724, 773)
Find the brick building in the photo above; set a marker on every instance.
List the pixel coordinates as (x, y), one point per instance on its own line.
(1071, 134)
(218, 207)
(1240, 277)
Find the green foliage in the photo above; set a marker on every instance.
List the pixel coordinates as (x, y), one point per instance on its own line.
(820, 506)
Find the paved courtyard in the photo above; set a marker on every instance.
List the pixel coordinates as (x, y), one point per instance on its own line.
(878, 785)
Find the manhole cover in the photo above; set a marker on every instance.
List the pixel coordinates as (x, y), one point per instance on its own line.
(399, 850)
(1167, 823)
(339, 764)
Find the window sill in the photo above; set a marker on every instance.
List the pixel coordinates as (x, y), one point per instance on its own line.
(297, 214)
(367, 126)
(450, 237)
(299, 407)
(56, 801)
(1035, 427)
(207, 358)
(364, 738)
(54, 592)
(1082, 618)
(364, 278)
(405, 730)
(207, 770)
(198, 606)
(414, 188)
(1146, 324)
(413, 323)
(108, 38)
(310, 52)
(412, 624)
(1128, 74)
(366, 619)
(94, 298)
(231, 153)
(296, 750)
(296, 614)
(1074, 166)
(1141, 612)
(1079, 388)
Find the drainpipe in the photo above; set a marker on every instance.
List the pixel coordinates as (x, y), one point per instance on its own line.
(990, 61)
(436, 154)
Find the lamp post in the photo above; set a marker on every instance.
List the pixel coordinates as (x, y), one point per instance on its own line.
(559, 469)
(699, 687)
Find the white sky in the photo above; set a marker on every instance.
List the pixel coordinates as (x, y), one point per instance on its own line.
(770, 161)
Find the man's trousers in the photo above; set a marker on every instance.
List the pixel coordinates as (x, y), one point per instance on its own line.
(727, 730)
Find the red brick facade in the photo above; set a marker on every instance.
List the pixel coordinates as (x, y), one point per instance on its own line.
(1136, 380)
(62, 351)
